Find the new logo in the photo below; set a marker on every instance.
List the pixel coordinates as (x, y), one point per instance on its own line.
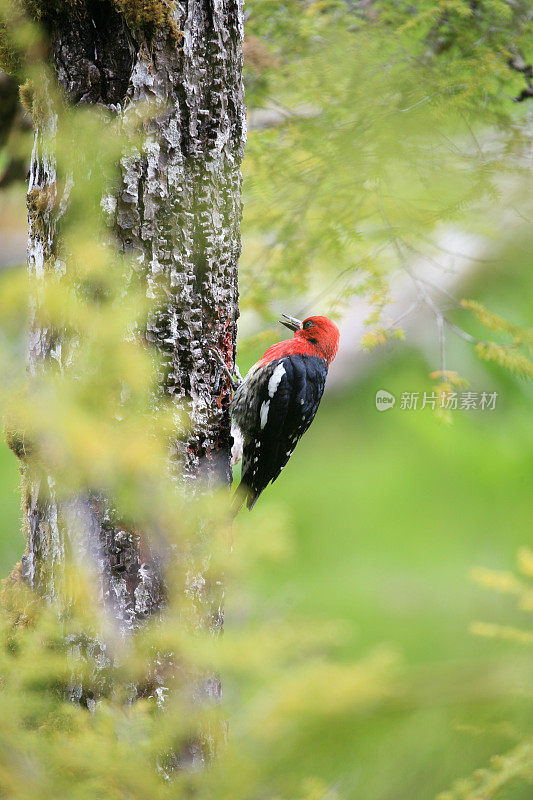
(384, 400)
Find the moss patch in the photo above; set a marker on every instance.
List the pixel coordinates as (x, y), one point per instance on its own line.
(149, 15)
(146, 15)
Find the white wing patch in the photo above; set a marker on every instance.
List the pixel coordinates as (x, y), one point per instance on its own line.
(273, 384)
(275, 378)
(264, 410)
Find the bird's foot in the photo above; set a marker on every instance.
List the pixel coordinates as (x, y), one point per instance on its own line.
(235, 378)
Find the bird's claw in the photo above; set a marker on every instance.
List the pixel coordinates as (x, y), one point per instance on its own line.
(235, 381)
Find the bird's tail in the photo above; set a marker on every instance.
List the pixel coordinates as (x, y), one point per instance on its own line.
(243, 495)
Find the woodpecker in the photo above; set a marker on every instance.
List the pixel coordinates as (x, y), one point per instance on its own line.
(277, 400)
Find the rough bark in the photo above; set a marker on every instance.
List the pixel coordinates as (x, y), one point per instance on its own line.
(179, 212)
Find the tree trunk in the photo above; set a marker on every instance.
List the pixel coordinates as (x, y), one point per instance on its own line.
(179, 212)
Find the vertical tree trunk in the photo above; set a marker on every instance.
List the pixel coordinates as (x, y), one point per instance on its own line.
(179, 212)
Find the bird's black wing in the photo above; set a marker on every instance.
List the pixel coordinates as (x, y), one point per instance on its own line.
(289, 392)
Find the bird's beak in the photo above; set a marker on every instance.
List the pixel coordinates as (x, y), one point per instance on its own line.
(291, 323)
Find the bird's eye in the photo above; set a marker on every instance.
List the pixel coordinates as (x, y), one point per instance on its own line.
(308, 325)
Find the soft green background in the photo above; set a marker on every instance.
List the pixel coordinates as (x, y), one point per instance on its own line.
(391, 511)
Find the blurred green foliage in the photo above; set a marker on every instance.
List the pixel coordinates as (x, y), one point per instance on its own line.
(347, 662)
(395, 121)
(119, 741)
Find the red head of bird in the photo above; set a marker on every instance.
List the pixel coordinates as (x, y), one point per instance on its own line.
(315, 336)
